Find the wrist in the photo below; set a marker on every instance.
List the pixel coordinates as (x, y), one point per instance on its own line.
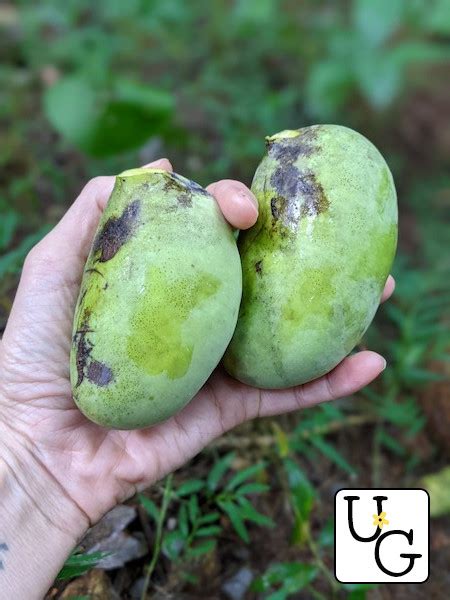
(39, 523)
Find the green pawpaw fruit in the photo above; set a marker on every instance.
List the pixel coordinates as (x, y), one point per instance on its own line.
(158, 302)
(315, 263)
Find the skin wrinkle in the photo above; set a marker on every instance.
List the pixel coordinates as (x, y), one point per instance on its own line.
(300, 398)
(218, 407)
(34, 454)
(328, 383)
(180, 425)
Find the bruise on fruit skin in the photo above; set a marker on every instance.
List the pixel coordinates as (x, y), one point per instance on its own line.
(285, 180)
(83, 353)
(99, 373)
(116, 232)
(298, 193)
(258, 267)
(185, 185)
(184, 199)
(92, 270)
(289, 149)
(96, 371)
(315, 200)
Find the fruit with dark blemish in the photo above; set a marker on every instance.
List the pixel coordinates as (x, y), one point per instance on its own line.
(326, 235)
(158, 302)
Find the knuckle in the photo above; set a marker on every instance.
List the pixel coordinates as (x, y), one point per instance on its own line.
(34, 256)
(38, 260)
(95, 183)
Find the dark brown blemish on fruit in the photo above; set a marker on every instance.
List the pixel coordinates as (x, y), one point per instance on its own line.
(83, 353)
(96, 371)
(185, 185)
(287, 150)
(258, 267)
(99, 373)
(298, 193)
(184, 199)
(285, 180)
(116, 232)
(92, 270)
(314, 198)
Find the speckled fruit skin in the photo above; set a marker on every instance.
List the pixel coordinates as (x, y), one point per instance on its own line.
(315, 264)
(158, 302)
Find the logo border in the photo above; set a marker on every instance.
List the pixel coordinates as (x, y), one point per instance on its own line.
(384, 582)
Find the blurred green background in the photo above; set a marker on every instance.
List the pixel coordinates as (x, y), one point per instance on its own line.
(95, 88)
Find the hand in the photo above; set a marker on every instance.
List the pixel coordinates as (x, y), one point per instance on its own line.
(95, 468)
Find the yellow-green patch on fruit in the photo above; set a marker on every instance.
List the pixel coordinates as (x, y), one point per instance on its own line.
(158, 302)
(315, 263)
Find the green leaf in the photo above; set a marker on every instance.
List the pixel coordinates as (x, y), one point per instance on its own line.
(12, 261)
(243, 475)
(438, 486)
(328, 87)
(292, 577)
(183, 520)
(379, 77)
(332, 453)
(282, 440)
(150, 507)
(391, 443)
(8, 225)
(301, 497)
(104, 122)
(209, 518)
(358, 591)
(79, 563)
(252, 488)
(326, 536)
(249, 512)
(236, 520)
(377, 20)
(302, 492)
(207, 531)
(190, 487)
(193, 508)
(437, 18)
(72, 107)
(203, 548)
(173, 543)
(218, 471)
(143, 95)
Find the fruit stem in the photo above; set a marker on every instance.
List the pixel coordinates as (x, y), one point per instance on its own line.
(140, 171)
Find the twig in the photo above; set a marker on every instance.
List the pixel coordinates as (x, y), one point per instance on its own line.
(376, 456)
(321, 565)
(268, 440)
(158, 538)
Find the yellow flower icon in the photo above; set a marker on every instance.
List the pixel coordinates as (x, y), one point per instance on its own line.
(380, 520)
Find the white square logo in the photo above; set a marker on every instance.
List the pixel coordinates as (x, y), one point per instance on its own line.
(382, 535)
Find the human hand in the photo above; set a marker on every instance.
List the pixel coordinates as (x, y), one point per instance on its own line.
(93, 468)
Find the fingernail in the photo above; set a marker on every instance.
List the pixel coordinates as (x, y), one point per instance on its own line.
(383, 363)
(246, 196)
(155, 163)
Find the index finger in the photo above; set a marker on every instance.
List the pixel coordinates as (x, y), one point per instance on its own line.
(237, 203)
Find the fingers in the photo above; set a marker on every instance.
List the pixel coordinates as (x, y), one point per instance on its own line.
(352, 374)
(237, 203)
(388, 289)
(224, 403)
(162, 163)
